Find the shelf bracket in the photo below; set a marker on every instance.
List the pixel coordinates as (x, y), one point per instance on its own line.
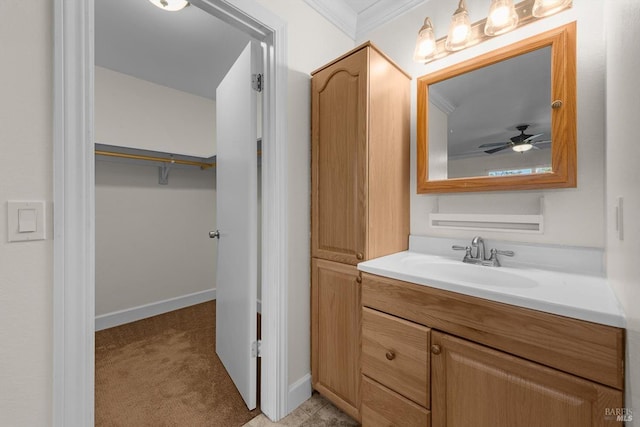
(163, 173)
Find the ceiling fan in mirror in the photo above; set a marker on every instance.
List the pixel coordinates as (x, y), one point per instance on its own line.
(520, 143)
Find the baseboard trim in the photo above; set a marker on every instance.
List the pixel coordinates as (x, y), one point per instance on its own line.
(299, 392)
(129, 315)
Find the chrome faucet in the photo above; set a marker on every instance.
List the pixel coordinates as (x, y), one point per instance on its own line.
(478, 243)
(479, 257)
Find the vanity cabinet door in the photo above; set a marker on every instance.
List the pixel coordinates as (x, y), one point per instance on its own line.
(339, 165)
(335, 332)
(473, 385)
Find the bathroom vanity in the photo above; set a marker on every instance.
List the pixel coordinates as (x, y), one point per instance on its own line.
(415, 338)
(436, 357)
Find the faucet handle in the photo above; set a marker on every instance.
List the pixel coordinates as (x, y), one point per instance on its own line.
(499, 252)
(466, 249)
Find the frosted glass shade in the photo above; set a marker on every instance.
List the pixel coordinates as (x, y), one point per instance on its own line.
(425, 43)
(542, 8)
(170, 5)
(459, 30)
(502, 18)
(521, 148)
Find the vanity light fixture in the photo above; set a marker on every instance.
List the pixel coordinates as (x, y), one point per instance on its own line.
(543, 8)
(503, 17)
(170, 5)
(459, 30)
(426, 42)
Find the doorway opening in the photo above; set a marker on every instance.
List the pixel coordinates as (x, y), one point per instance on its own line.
(175, 84)
(74, 245)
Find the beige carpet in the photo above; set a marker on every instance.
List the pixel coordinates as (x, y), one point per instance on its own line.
(163, 371)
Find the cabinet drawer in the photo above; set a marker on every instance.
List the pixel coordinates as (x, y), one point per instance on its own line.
(382, 407)
(395, 354)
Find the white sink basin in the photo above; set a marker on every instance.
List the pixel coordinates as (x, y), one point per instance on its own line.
(456, 271)
(566, 294)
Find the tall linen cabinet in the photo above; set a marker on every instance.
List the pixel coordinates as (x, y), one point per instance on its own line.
(360, 110)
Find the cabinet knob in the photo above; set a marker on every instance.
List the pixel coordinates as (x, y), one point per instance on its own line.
(435, 349)
(358, 279)
(390, 355)
(556, 104)
(360, 256)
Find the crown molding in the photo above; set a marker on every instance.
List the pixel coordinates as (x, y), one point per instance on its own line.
(357, 25)
(339, 13)
(382, 12)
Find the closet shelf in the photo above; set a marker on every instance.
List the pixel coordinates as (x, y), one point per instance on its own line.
(202, 165)
(147, 155)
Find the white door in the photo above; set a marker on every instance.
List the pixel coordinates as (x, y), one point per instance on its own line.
(237, 220)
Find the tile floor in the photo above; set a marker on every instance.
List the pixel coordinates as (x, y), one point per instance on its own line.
(315, 412)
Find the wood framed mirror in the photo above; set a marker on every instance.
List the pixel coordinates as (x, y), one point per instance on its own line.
(505, 120)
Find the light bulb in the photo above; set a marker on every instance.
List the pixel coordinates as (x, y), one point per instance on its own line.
(170, 5)
(542, 8)
(502, 18)
(459, 30)
(425, 43)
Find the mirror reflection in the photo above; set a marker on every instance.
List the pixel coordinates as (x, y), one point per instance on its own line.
(492, 121)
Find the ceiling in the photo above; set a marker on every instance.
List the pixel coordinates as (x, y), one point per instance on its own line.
(189, 50)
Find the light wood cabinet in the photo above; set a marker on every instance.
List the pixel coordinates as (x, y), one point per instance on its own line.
(477, 386)
(335, 333)
(489, 364)
(360, 110)
(359, 158)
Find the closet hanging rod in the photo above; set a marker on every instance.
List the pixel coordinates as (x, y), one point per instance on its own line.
(202, 165)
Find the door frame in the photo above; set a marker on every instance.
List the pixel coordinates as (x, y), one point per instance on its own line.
(74, 205)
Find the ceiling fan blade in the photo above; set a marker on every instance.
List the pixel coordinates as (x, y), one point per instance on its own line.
(495, 150)
(532, 137)
(493, 144)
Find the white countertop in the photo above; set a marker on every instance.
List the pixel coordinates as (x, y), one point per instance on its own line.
(580, 296)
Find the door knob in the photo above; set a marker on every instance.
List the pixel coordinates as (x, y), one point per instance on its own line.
(214, 234)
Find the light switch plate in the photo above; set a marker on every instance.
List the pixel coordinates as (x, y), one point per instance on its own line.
(32, 218)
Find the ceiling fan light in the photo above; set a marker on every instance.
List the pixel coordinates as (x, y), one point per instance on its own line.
(542, 8)
(521, 148)
(502, 18)
(425, 43)
(170, 5)
(459, 30)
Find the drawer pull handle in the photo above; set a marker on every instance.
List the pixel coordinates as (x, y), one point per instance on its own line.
(358, 279)
(435, 349)
(360, 256)
(390, 355)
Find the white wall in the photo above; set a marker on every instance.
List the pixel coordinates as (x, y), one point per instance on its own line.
(26, 268)
(152, 241)
(623, 177)
(313, 41)
(572, 216)
(132, 112)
